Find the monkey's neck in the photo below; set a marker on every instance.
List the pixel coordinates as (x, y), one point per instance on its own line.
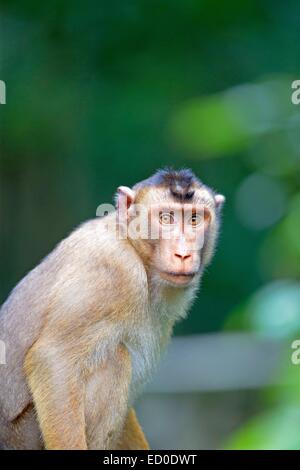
(168, 302)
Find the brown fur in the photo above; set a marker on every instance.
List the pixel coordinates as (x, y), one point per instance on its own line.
(132, 437)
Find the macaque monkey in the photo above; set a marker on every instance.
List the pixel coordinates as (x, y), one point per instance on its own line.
(85, 328)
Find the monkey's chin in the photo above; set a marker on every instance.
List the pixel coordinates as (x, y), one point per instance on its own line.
(177, 279)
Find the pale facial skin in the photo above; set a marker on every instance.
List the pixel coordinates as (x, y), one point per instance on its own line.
(181, 227)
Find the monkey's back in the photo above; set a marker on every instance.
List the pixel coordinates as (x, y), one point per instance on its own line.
(21, 321)
(81, 267)
(22, 318)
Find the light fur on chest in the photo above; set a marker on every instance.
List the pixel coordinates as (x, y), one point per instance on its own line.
(149, 338)
(145, 336)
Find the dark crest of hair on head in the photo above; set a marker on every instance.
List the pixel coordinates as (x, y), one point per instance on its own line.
(180, 182)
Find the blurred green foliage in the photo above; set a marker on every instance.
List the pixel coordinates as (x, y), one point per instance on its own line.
(102, 93)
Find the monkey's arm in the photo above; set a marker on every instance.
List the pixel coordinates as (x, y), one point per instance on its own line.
(57, 394)
(132, 437)
(107, 400)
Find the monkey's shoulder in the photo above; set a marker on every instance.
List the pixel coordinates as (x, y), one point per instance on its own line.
(89, 271)
(96, 274)
(101, 254)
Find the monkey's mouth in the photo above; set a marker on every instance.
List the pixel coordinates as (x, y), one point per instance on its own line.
(178, 278)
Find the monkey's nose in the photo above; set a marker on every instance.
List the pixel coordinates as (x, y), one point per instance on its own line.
(183, 256)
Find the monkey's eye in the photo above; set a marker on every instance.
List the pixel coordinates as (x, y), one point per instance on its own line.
(195, 220)
(166, 218)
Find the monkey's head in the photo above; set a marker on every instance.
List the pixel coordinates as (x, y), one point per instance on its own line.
(172, 220)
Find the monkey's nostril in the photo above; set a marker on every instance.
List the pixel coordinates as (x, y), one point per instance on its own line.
(182, 256)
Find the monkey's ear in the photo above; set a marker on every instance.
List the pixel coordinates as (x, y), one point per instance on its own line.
(219, 200)
(125, 197)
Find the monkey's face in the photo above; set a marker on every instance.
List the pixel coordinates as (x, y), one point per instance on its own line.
(180, 233)
(174, 238)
